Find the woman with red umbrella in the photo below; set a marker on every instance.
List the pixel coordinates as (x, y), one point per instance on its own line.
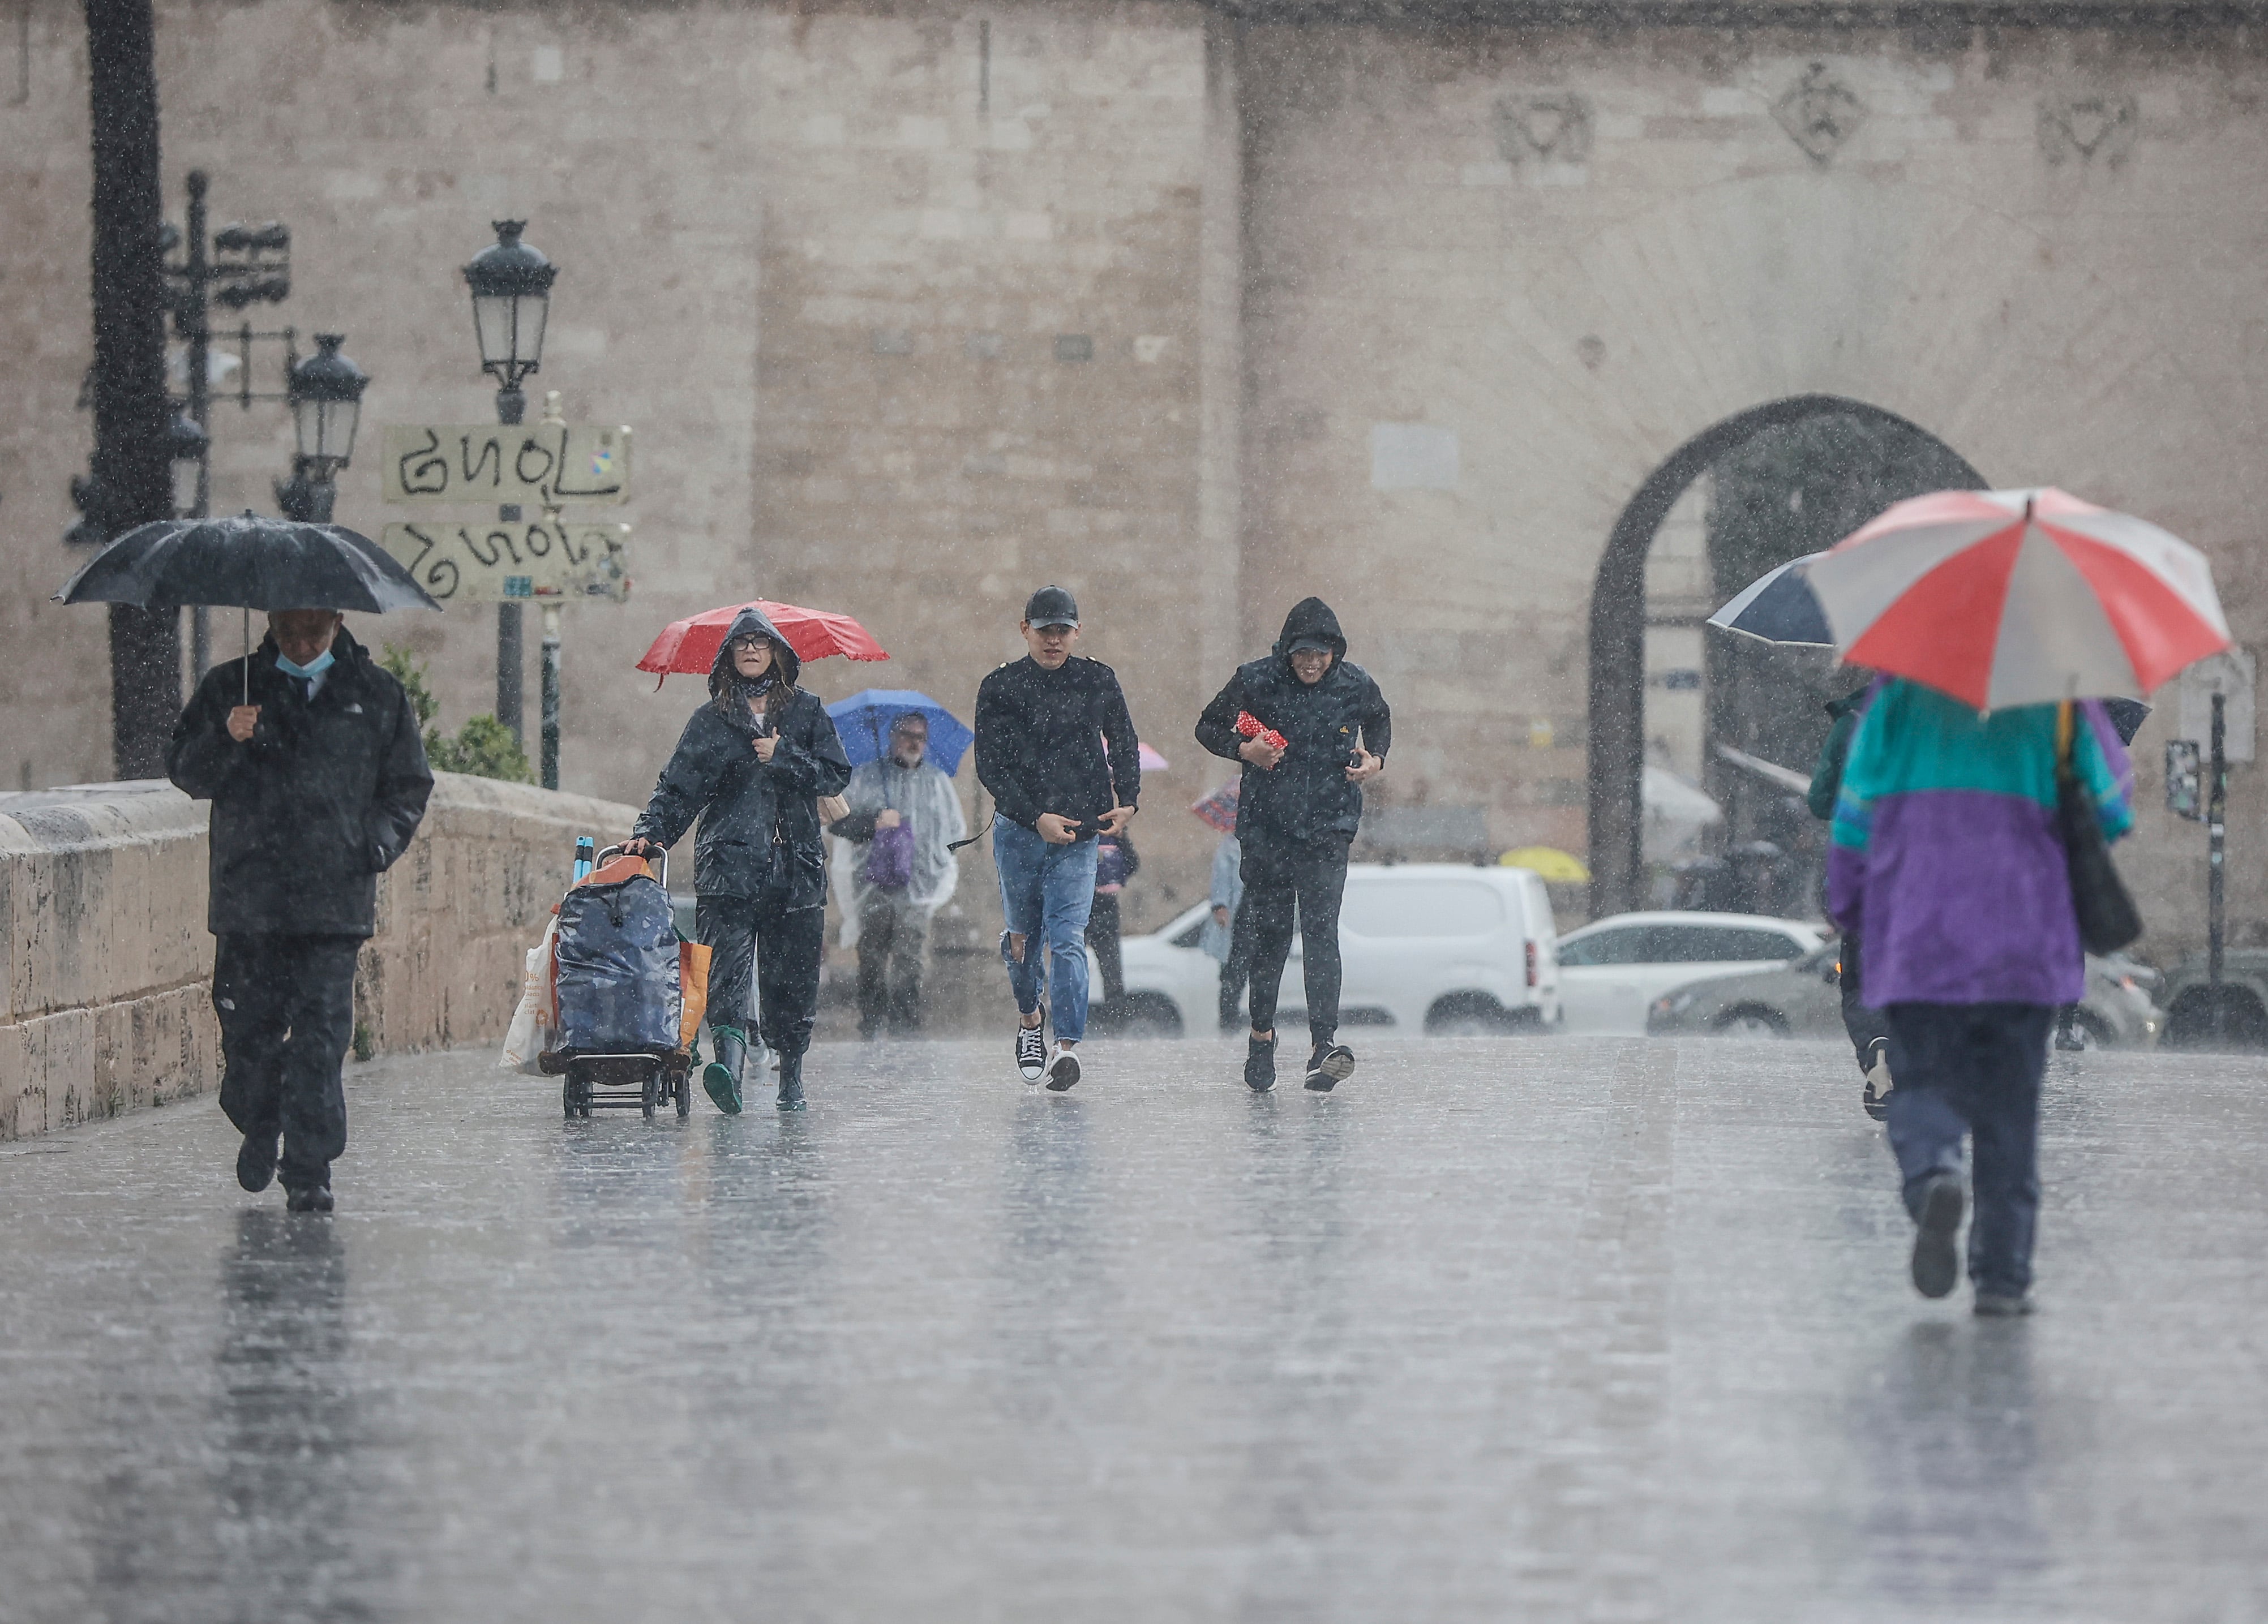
(751, 764)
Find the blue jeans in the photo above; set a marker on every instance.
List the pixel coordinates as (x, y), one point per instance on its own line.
(1045, 894)
(1975, 1069)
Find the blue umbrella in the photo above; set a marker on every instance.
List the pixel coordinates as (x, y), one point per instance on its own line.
(1779, 608)
(865, 720)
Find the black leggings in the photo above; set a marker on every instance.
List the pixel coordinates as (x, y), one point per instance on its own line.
(1312, 875)
(782, 945)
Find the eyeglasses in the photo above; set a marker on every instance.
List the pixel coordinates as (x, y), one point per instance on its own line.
(742, 645)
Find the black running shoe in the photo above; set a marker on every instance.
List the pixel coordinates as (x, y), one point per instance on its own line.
(1936, 1264)
(1260, 1064)
(1031, 1052)
(1330, 1065)
(2003, 1305)
(308, 1198)
(255, 1162)
(1063, 1072)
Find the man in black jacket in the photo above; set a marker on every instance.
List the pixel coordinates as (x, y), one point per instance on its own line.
(1042, 726)
(1298, 808)
(317, 778)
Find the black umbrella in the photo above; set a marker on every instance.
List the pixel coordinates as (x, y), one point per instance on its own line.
(249, 563)
(1779, 608)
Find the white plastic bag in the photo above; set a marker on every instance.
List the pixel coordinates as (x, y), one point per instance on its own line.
(532, 1021)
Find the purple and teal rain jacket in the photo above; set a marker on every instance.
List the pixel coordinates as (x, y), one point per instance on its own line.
(1945, 865)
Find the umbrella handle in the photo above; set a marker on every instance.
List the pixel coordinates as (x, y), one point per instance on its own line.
(247, 655)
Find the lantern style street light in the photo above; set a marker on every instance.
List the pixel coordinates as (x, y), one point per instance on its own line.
(186, 445)
(326, 395)
(511, 283)
(511, 299)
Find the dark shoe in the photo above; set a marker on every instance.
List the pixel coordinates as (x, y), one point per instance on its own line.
(1259, 1064)
(791, 1087)
(2001, 1305)
(721, 1077)
(1031, 1052)
(1876, 1096)
(1330, 1065)
(308, 1198)
(255, 1162)
(1936, 1264)
(1063, 1073)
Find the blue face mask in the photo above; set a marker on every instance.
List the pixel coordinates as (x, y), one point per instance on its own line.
(320, 664)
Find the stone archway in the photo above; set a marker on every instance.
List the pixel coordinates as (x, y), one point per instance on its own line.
(1618, 632)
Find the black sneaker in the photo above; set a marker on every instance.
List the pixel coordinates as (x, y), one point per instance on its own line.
(1032, 1051)
(1936, 1265)
(2003, 1304)
(255, 1162)
(308, 1198)
(1330, 1065)
(1876, 1096)
(1063, 1072)
(1260, 1064)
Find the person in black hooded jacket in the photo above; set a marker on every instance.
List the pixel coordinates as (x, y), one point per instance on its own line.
(1298, 808)
(751, 765)
(310, 754)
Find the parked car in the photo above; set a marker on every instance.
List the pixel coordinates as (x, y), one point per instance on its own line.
(2243, 1001)
(1803, 998)
(1611, 972)
(1431, 947)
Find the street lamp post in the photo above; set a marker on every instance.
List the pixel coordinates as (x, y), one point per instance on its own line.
(511, 284)
(325, 395)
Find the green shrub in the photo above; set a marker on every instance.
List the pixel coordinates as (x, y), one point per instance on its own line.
(483, 746)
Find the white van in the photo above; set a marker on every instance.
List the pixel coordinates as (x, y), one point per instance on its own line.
(1435, 947)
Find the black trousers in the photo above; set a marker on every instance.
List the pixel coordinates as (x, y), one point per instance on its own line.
(782, 947)
(1864, 1026)
(892, 935)
(286, 1009)
(1310, 875)
(1102, 936)
(1236, 969)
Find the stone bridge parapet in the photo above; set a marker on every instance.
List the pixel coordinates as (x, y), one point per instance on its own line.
(105, 963)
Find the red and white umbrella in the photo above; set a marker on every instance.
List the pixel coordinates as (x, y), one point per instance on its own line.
(2004, 598)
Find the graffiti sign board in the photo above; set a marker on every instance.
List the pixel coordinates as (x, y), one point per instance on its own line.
(494, 563)
(532, 465)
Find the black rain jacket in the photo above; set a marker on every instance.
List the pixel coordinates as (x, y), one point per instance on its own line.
(322, 800)
(1040, 739)
(752, 815)
(1306, 794)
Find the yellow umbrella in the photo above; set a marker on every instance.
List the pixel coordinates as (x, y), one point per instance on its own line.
(1553, 866)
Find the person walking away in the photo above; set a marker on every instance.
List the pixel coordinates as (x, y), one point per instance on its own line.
(903, 820)
(1042, 723)
(309, 752)
(1298, 809)
(1947, 864)
(1224, 934)
(751, 764)
(1868, 1030)
(1115, 863)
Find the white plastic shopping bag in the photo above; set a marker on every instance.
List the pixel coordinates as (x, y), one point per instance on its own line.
(533, 1020)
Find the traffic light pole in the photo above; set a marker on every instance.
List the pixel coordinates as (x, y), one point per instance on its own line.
(2216, 865)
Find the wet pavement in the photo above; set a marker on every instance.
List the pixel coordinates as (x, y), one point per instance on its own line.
(1554, 1328)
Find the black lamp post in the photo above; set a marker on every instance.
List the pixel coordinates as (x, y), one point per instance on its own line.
(511, 283)
(325, 395)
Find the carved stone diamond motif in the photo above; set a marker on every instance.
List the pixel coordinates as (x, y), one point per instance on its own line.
(1820, 112)
(1555, 126)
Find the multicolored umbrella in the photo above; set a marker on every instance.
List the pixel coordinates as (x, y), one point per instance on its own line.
(1215, 809)
(2002, 597)
(690, 645)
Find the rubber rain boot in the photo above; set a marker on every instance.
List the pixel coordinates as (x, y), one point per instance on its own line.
(721, 1077)
(791, 1084)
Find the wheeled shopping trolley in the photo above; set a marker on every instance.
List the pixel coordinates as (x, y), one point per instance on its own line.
(620, 976)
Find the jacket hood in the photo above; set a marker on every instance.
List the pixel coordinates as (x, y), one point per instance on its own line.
(1312, 617)
(785, 659)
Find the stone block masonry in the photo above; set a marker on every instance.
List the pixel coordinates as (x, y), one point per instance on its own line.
(107, 965)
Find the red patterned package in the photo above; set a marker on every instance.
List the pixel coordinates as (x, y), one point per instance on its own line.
(1253, 727)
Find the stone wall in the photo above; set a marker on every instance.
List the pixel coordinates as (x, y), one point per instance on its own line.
(107, 964)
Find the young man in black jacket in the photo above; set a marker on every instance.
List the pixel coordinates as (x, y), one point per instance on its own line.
(317, 778)
(1042, 726)
(1298, 809)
